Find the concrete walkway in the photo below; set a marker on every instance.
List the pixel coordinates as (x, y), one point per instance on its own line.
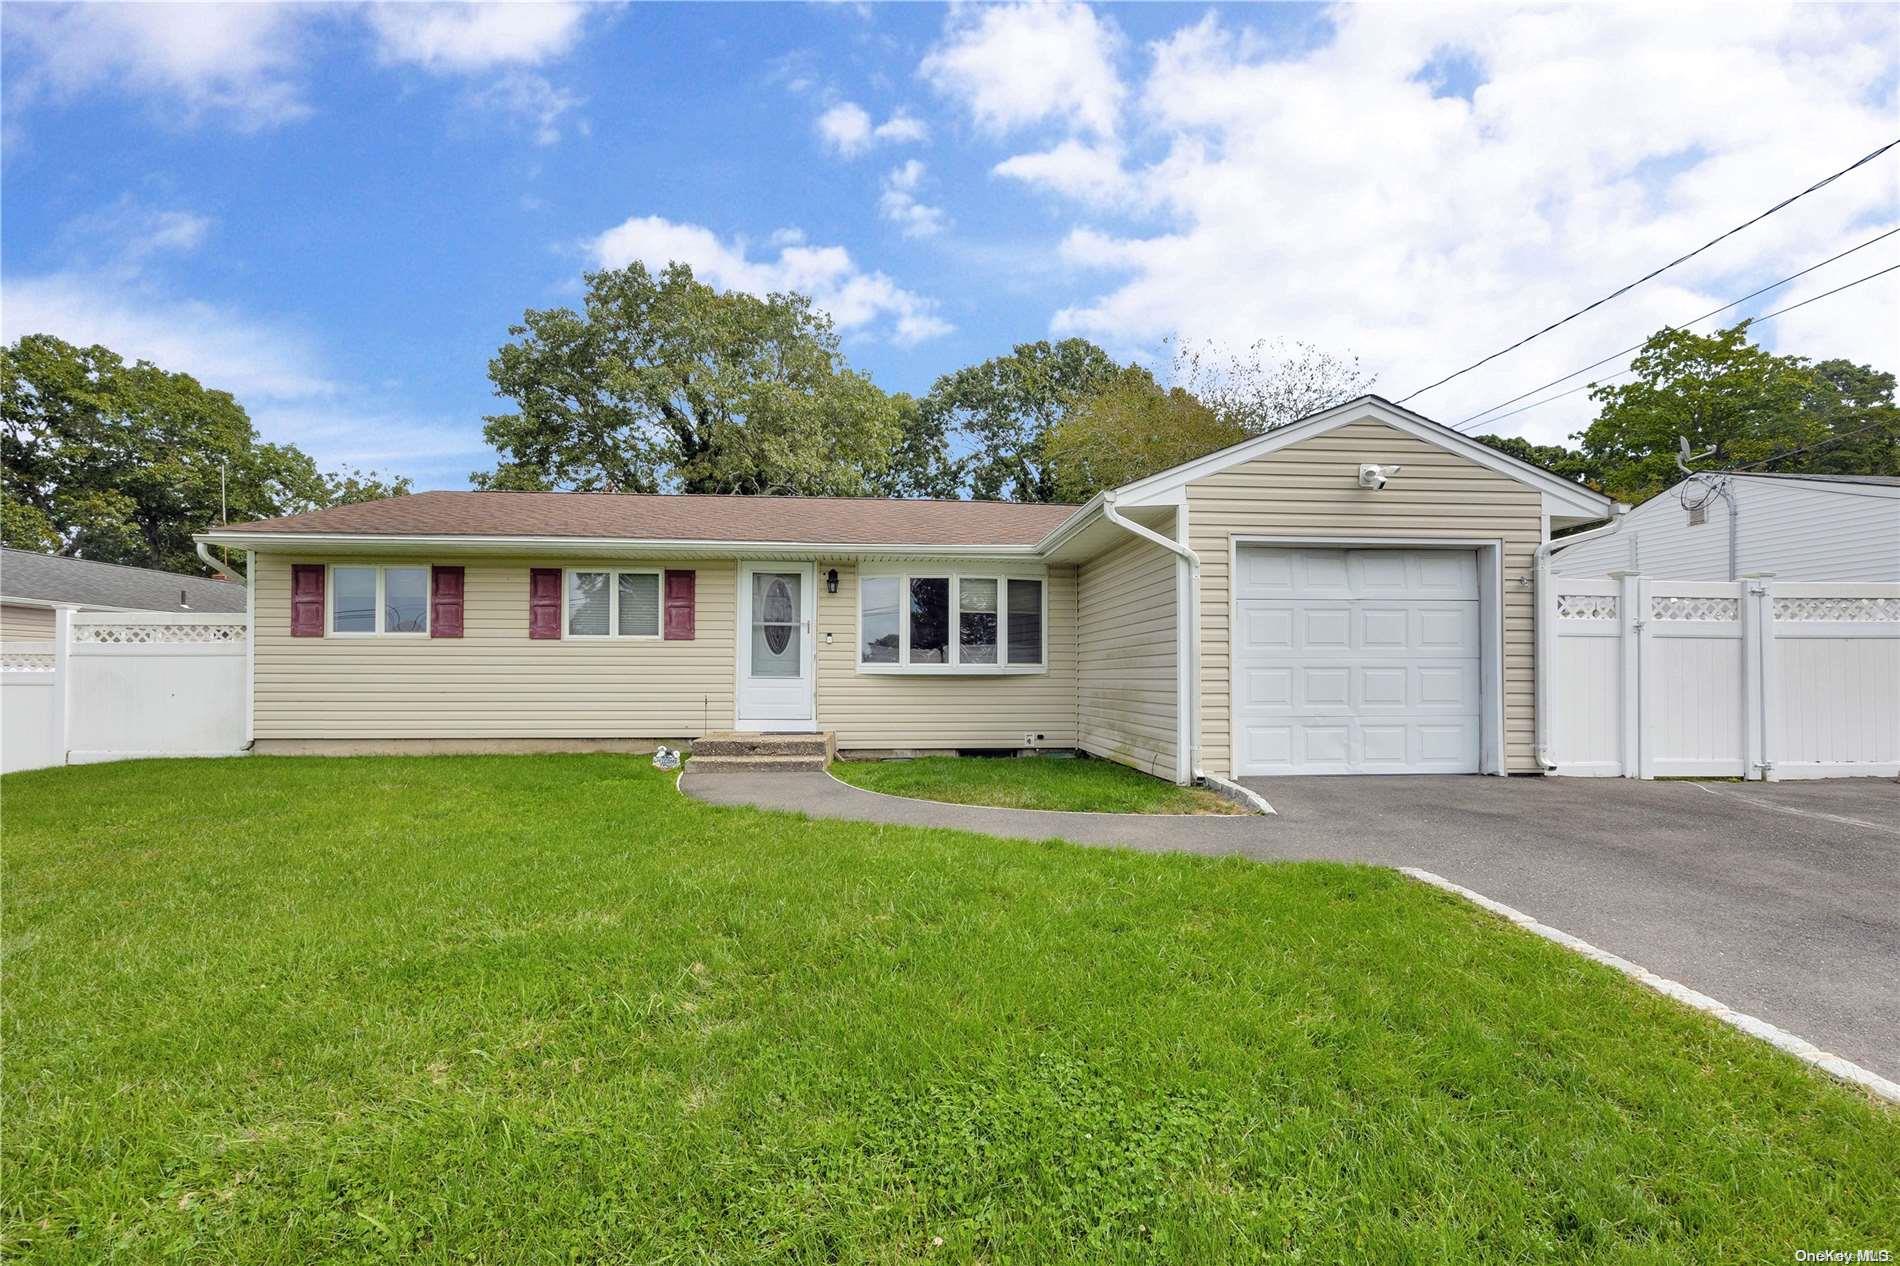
(1779, 899)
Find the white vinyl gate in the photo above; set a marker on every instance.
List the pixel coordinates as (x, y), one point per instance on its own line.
(1751, 678)
(117, 685)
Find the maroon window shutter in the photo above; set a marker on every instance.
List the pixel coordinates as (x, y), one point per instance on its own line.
(445, 601)
(680, 588)
(306, 599)
(544, 602)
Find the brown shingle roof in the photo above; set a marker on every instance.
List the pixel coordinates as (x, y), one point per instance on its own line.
(643, 517)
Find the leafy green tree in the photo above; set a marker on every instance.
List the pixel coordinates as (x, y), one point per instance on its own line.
(1856, 405)
(1128, 429)
(1720, 390)
(122, 463)
(1007, 406)
(921, 464)
(663, 381)
(1555, 458)
(26, 527)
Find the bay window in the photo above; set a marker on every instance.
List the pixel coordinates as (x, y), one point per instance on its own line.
(946, 621)
(368, 600)
(613, 604)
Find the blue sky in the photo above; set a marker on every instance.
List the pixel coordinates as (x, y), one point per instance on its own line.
(335, 212)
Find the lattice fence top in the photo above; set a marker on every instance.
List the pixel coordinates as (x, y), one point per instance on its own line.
(1838, 610)
(156, 634)
(1697, 609)
(1586, 606)
(26, 661)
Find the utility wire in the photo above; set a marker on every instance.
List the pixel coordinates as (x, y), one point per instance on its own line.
(1753, 321)
(1795, 452)
(1681, 325)
(1785, 202)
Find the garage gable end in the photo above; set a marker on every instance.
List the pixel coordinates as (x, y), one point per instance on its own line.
(1563, 499)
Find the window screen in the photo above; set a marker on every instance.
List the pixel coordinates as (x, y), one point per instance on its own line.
(587, 603)
(639, 604)
(1025, 621)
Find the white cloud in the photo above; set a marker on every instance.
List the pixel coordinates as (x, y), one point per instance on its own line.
(470, 37)
(224, 348)
(899, 203)
(1013, 66)
(1075, 169)
(239, 63)
(1329, 196)
(529, 101)
(847, 130)
(855, 300)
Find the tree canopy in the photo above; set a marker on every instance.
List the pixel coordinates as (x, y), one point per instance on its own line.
(663, 381)
(1008, 405)
(1130, 428)
(1724, 393)
(122, 463)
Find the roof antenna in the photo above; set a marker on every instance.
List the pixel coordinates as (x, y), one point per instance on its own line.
(1683, 456)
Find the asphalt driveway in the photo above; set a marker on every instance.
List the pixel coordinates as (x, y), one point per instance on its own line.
(1778, 899)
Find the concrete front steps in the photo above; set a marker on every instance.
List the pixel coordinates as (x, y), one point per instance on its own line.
(788, 753)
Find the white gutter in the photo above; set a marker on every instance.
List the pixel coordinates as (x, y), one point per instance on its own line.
(1187, 648)
(1546, 635)
(593, 545)
(220, 568)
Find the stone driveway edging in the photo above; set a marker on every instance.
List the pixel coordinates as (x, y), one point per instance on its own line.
(1780, 1039)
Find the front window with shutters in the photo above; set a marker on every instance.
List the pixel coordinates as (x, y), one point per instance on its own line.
(948, 621)
(367, 601)
(612, 603)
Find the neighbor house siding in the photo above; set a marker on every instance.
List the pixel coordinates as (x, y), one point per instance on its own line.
(1792, 529)
(1309, 489)
(25, 624)
(493, 682)
(884, 711)
(1127, 690)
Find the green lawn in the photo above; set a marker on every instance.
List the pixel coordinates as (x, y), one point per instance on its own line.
(1031, 782)
(546, 1009)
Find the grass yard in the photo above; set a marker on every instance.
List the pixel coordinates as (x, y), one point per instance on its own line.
(544, 1008)
(1031, 782)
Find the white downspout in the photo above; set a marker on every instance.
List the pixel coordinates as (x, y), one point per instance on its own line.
(1546, 635)
(1188, 669)
(204, 552)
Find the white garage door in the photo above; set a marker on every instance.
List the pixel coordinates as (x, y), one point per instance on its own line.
(1357, 661)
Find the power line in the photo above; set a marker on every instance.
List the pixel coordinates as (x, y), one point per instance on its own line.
(1785, 202)
(1796, 452)
(1682, 325)
(1752, 321)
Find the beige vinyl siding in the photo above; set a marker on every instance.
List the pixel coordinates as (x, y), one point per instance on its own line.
(1309, 489)
(494, 681)
(1126, 657)
(883, 711)
(20, 623)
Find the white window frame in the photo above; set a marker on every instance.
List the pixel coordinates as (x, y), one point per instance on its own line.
(382, 602)
(613, 575)
(956, 668)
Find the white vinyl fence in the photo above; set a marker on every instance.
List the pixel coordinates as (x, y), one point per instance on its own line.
(1754, 678)
(112, 686)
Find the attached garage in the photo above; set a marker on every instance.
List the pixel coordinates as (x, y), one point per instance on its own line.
(1360, 660)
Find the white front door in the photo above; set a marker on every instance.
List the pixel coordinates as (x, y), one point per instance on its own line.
(1357, 661)
(776, 607)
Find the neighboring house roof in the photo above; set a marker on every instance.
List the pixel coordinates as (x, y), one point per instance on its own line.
(683, 517)
(1878, 481)
(49, 580)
